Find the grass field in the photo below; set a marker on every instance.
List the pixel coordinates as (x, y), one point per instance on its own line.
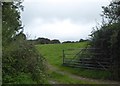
(53, 52)
(53, 55)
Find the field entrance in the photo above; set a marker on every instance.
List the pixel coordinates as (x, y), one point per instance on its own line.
(89, 58)
(59, 74)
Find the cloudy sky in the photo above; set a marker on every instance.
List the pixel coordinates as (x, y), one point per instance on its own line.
(61, 19)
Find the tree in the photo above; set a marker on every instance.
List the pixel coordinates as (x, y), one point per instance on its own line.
(112, 12)
(67, 42)
(107, 36)
(20, 60)
(55, 41)
(43, 41)
(11, 22)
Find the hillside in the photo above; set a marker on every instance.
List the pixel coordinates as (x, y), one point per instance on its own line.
(53, 52)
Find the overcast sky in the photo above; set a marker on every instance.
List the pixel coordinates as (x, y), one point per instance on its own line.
(61, 19)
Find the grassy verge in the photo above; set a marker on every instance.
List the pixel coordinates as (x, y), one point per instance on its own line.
(24, 78)
(64, 79)
(95, 74)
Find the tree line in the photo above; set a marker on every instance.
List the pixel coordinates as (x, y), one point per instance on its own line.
(54, 41)
(44, 41)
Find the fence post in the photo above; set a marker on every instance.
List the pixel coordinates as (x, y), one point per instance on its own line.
(63, 56)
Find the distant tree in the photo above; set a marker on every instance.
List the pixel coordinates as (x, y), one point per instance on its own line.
(43, 41)
(67, 42)
(81, 40)
(74, 41)
(55, 41)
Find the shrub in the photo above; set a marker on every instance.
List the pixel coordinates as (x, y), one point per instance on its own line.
(21, 56)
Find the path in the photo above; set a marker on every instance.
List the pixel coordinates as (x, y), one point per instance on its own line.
(79, 77)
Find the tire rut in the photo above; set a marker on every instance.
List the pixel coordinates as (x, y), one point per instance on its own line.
(81, 78)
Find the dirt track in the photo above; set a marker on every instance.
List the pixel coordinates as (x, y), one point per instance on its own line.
(79, 77)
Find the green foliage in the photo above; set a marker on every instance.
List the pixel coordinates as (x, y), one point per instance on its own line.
(115, 51)
(107, 36)
(21, 62)
(112, 12)
(101, 38)
(20, 56)
(44, 41)
(23, 78)
(10, 20)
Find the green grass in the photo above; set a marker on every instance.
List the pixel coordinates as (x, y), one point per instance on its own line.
(53, 54)
(24, 78)
(64, 79)
(95, 74)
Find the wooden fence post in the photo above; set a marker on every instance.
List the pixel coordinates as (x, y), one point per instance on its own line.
(63, 56)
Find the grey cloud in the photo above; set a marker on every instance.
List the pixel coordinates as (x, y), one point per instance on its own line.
(84, 12)
(79, 12)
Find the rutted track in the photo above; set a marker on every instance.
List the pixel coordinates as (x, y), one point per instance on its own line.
(52, 68)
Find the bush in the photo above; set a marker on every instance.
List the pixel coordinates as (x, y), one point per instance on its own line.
(108, 37)
(18, 56)
(21, 56)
